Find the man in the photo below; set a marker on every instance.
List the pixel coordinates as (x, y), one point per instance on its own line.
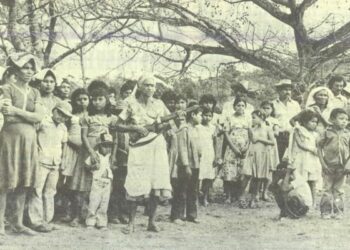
(336, 84)
(238, 91)
(285, 109)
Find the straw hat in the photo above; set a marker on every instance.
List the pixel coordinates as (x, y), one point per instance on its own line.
(65, 108)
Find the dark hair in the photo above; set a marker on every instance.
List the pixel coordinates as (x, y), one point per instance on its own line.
(97, 84)
(259, 114)
(7, 73)
(334, 79)
(269, 103)
(128, 85)
(180, 97)
(307, 116)
(208, 98)
(206, 110)
(50, 73)
(337, 111)
(196, 111)
(112, 90)
(168, 96)
(96, 93)
(238, 100)
(78, 92)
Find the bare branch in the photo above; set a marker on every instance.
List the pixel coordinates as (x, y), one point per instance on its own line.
(273, 11)
(338, 35)
(52, 33)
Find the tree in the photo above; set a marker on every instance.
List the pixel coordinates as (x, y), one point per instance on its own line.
(182, 32)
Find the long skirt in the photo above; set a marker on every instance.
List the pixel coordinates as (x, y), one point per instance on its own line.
(148, 170)
(19, 165)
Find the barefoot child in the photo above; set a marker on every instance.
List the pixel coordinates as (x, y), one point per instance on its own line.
(101, 183)
(52, 134)
(259, 161)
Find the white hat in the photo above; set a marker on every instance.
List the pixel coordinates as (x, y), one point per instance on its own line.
(283, 82)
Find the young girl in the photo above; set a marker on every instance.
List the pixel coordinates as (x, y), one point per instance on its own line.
(80, 102)
(207, 137)
(234, 148)
(92, 127)
(302, 150)
(63, 91)
(271, 121)
(259, 161)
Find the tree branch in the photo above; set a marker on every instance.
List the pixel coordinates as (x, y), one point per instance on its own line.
(273, 11)
(339, 34)
(52, 33)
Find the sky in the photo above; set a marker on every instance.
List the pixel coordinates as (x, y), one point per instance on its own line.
(114, 59)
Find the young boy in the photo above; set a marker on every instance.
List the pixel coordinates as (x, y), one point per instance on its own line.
(334, 152)
(52, 134)
(185, 172)
(102, 177)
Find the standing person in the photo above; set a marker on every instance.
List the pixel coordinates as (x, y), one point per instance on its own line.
(333, 151)
(48, 82)
(208, 139)
(235, 146)
(19, 169)
(98, 122)
(208, 101)
(148, 166)
(101, 183)
(185, 172)
(336, 84)
(63, 90)
(52, 135)
(285, 109)
(303, 154)
(241, 91)
(127, 88)
(259, 161)
(169, 99)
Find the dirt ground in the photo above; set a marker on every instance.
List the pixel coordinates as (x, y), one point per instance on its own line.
(222, 227)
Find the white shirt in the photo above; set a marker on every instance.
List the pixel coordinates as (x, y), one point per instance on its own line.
(104, 171)
(302, 188)
(286, 112)
(340, 101)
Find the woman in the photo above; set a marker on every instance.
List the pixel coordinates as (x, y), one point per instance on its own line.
(148, 167)
(19, 169)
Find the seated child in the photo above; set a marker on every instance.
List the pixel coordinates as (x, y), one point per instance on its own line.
(102, 177)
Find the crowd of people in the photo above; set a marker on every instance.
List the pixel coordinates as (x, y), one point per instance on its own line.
(86, 156)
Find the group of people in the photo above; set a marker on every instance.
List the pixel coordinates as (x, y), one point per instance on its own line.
(84, 156)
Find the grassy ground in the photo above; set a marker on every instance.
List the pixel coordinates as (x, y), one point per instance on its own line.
(222, 227)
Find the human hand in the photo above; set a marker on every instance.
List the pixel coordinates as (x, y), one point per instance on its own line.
(94, 158)
(142, 131)
(8, 109)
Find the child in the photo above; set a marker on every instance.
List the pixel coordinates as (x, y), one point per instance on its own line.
(334, 152)
(269, 109)
(64, 90)
(208, 101)
(80, 102)
(52, 134)
(101, 183)
(303, 151)
(259, 161)
(97, 123)
(181, 102)
(169, 99)
(207, 137)
(235, 145)
(185, 173)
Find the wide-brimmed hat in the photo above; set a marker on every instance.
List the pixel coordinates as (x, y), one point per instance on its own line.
(42, 74)
(283, 83)
(106, 139)
(65, 108)
(19, 59)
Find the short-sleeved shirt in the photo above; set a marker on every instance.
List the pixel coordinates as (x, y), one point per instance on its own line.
(104, 171)
(340, 101)
(50, 139)
(285, 112)
(335, 146)
(49, 104)
(22, 99)
(98, 124)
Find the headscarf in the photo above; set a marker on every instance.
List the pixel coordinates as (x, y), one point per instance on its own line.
(43, 73)
(19, 59)
(311, 97)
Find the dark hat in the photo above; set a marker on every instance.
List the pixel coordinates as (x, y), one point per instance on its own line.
(106, 139)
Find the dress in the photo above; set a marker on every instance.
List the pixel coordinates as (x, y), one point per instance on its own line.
(260, 160)
(272, 122)
(98, 124)
(206, 136)
(18, 142)
(148, 164)
(237, 128)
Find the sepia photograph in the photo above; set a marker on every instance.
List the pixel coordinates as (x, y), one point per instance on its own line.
(175, 124)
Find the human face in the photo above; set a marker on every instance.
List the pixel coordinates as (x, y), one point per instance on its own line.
(111, 98)
(65, 90)
(126, 94)
(239, 108)
(312, 124)
(83, 101)
(148, 89)
(58, 116)
(26, 73)
(267, 109)
(105, 149)
(171, 105)
(256, 120)
(341, 121)
(337, 88)
(48, 85)
(285, 92)
(206, 118)
(181, 104)
(321, 97)
(197, 118)
(99, 102)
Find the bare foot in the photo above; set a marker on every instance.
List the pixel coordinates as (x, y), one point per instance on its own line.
(128, 229)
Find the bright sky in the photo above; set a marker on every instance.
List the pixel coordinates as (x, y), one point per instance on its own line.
(107, 56)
